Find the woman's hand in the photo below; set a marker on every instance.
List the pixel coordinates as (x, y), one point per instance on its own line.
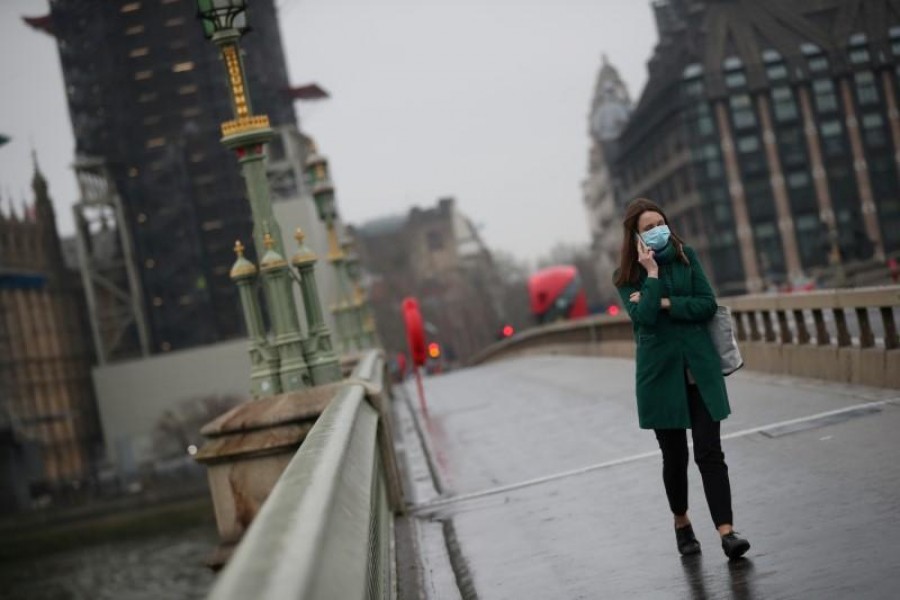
(645, 257)
(635, 297)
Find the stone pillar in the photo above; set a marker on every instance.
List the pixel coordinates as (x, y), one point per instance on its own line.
(738, 202)
(779, 191)
(870, 213)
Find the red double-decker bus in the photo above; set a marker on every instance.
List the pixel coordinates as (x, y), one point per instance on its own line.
(557, 293)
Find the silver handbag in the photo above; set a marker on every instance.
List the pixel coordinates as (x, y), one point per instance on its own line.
(721, 330)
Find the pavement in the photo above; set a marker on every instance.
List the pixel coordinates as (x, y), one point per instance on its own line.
(530, 479)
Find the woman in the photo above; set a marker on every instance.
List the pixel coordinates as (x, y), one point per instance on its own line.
(679, 378)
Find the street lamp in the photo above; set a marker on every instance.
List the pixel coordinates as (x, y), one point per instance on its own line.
(222, 15)
(347, 316)
(224, 21)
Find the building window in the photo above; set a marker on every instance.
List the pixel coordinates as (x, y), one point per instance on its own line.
(809, 239)
(770, 56)
(826, 100)
(735, 79)
(175, 22)
(212, 225)
(187, 89)
(866, 91)
(859, 56)
(150, 263)
(809, 49)
(775, 72)
(694, 89)
(798, 180)
(142, 75)
(783, 104)
(152, 119)
(895, 48)
(692, 70)
(177, 44)
(156, 142)
(818, 64)
(792, 145)
(197, 157)
(134, 30)
(147, 97)
(832, 138)
(435, 240)
(130, 7)
(747, 144)
(183, 66)
(742, 111)
(190, 112)
(138, 52)
(873, 130)
(705, 125)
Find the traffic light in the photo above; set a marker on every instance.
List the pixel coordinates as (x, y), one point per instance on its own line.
(613, 310)
(434, 350)
(508, 331)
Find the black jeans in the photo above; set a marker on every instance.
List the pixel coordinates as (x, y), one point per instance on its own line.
(708, 456)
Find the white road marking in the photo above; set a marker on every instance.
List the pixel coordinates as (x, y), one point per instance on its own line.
(429, 507)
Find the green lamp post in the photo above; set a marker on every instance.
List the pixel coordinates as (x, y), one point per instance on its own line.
(323, 362)
(264, 378)
(224, 21)
(346, 318)
(361, 303)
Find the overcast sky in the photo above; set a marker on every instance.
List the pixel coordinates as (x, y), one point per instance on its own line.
(484, 100)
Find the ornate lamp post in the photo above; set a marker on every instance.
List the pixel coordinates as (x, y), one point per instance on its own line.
(323, 363)
(224, 21)
(360, 299)
(346, 318)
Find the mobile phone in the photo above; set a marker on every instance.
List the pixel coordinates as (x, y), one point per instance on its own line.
(640, 242)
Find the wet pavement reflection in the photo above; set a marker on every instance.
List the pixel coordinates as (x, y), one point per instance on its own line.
(554, 492)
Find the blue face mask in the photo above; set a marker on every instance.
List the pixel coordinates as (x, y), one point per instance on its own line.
(656, 238)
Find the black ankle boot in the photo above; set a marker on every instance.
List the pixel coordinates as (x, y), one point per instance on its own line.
(733, 545)
(687, 541)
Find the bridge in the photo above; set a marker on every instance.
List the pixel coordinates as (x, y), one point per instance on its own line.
(526, 476)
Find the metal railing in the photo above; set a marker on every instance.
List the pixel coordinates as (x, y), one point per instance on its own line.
(326, 529)
(847, 335)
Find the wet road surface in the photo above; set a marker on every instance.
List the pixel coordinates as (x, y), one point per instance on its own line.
(548, 488)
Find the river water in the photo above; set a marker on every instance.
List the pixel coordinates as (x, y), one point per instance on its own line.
(167, 566)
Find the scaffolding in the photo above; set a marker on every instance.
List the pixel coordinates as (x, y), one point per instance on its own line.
(106, 261)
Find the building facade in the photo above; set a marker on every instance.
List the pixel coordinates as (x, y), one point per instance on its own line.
(610, 109)
(770, 134)
(146, 95)
(436, 255)
(49, 428)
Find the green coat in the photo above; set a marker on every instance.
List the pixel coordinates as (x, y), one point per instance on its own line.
(670, 340)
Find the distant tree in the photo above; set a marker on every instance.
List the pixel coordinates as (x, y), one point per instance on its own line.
(179, 427)
(513, 273)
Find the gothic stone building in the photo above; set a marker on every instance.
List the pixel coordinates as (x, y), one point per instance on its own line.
(770, 133)
(49, 434)
(610, 108)
(436, 255)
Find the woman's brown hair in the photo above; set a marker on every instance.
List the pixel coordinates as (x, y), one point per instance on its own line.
(629, 271)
